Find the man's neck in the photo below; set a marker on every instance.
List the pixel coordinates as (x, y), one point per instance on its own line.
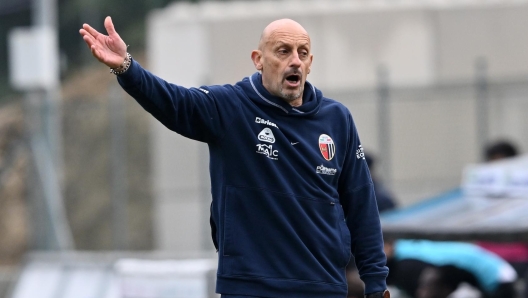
(296, 102)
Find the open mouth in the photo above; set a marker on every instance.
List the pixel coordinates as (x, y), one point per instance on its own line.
(293, 79)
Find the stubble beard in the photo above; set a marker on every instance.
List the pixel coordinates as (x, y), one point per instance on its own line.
(289, 97)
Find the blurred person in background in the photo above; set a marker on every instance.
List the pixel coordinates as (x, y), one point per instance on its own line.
(434, 283)
(451, 263)
(499, 150)
(384, 197)
(516, 253)
(292, 193)
(446, 282)
(356, 288)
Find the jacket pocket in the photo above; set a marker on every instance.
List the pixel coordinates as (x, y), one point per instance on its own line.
(278, 235)
(345, 236)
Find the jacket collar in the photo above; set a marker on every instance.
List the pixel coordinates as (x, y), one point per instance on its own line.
(256, 91)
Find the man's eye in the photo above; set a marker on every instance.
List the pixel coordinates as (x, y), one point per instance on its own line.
(283, 51)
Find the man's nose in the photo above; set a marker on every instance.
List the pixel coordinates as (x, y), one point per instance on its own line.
(295, 60)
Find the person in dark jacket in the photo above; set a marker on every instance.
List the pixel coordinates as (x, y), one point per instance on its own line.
(292, 197)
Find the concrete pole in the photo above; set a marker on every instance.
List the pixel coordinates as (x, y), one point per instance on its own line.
(44, 13)
(482, 102)
(117, 111)
(46, 141)
(384, 125)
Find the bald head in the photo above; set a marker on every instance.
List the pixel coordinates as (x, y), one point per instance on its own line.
(284, 58)
(282, 25)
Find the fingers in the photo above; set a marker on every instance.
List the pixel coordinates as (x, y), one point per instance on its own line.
(92, 44)
(115, 43)
(91, 30)
(88, 39)
(109, 25)
(106, 48)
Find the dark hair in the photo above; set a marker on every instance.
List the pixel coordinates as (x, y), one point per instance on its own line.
(499, 150)
(451, 276)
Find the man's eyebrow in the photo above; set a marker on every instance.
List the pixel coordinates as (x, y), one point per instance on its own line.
(282, 44)
(305, 45)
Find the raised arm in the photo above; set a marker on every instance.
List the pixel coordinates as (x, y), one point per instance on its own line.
(201, 114)
(108, 49)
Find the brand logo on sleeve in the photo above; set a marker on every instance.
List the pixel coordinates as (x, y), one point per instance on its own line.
(360, 153)
(266, 135)
(327, 146)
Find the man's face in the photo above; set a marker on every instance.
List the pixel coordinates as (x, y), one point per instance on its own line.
(285, 61)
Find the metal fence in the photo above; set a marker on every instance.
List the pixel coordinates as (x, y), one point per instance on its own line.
(424, 136)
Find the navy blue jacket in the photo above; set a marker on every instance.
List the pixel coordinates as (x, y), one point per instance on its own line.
(292, 194)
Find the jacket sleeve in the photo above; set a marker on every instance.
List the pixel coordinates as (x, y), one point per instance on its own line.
(201, 114)
(356, 193)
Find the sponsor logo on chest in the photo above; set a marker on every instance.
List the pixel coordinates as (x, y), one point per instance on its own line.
(266, 135)
(268, 151)
(325, 171)
(265, 122)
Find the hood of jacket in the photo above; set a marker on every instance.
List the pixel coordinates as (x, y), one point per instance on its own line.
(312, 97)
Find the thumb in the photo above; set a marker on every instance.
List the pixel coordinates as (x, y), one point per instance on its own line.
(109, 26)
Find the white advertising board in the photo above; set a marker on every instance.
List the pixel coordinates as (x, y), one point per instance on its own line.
(33, 58)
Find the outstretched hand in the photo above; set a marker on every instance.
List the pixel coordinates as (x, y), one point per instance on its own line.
(109, 49)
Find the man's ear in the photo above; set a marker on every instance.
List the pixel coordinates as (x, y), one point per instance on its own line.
(310, 66)
(256, 56)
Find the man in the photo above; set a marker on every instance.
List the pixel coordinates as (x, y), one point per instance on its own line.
(286, 166)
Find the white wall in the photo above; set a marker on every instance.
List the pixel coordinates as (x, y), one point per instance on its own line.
(429, 48)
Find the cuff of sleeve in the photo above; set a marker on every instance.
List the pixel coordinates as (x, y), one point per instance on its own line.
(130, 77)
(374, 284)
